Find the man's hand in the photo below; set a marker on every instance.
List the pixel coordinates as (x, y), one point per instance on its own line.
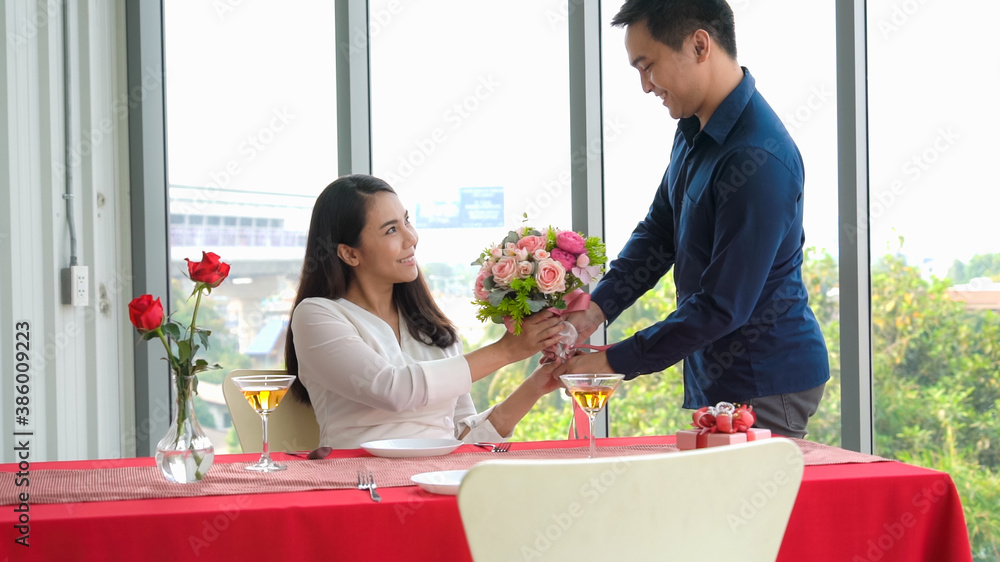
(586, 322)
(589, 363)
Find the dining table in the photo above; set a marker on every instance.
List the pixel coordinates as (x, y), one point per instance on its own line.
(850, 507)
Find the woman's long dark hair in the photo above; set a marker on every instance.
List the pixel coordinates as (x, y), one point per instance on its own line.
(338, 217)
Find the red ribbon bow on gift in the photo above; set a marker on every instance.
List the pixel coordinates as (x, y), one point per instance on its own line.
(724, 417)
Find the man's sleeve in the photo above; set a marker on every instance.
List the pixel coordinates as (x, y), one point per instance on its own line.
(750, 224)
(646, 257)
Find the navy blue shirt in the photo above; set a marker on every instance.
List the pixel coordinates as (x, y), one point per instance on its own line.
(728, 218)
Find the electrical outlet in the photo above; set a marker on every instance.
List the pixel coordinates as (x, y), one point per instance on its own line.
(75, 286)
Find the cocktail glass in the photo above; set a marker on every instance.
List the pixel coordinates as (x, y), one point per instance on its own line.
(264, 393)
(591, 392)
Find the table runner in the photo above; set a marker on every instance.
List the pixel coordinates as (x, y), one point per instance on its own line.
(146, 482)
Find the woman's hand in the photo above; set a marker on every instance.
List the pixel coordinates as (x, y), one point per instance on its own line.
(538, 331)
(542, 381)
(545, 378)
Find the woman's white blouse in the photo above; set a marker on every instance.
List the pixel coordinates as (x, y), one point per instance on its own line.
(364, 385)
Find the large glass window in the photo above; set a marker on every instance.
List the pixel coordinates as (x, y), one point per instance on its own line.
(251, 141)
(800, 84)
(470, 125)
(934, 248)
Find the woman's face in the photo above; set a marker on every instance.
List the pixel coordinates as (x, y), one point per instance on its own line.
(388, 243)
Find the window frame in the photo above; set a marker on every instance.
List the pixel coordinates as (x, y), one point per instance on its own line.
(150, 221)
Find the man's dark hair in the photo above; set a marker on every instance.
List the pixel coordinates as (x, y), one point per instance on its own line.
(672, 21)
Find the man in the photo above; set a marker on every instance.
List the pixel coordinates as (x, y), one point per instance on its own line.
(728, 217)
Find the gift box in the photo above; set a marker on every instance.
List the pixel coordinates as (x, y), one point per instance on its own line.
(722, 424)
(688, 439)
(720, 439)
(756, 434)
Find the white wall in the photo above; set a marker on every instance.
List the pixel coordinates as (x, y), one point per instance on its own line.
(81, 358)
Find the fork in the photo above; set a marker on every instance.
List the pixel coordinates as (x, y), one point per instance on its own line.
(366, 481)
(495, 447)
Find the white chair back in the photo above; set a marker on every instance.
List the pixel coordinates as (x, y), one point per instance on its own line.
(290, 427)
(731, 501)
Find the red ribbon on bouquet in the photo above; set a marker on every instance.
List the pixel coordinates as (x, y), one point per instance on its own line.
(724, 417)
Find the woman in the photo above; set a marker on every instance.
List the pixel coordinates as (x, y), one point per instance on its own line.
(373, 353)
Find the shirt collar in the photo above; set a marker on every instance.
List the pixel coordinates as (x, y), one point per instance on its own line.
(725, 116)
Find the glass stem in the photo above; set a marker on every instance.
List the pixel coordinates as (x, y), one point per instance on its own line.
(265, 455)
(593, 442)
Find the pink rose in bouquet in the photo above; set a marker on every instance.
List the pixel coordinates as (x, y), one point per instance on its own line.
(525, 269)
(551, 276)
(533, 269)
(531, 243)
(479, 290)
(504, 270)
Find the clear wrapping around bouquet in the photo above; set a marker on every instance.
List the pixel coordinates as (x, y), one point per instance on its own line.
(567, 340)
(531, 270)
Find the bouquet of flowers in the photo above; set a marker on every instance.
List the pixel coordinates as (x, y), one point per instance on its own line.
(531, 269)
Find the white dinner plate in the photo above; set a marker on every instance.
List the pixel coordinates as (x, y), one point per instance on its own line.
(441, 482)
(399, 448)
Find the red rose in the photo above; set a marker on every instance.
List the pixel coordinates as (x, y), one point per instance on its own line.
(209, 270)
(145, 313)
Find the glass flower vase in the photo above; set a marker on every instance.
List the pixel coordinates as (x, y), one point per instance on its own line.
(185, 453)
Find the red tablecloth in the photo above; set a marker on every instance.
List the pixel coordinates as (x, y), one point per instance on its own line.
(853, 512)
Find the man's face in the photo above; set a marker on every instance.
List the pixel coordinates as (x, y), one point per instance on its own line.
(673, 76)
